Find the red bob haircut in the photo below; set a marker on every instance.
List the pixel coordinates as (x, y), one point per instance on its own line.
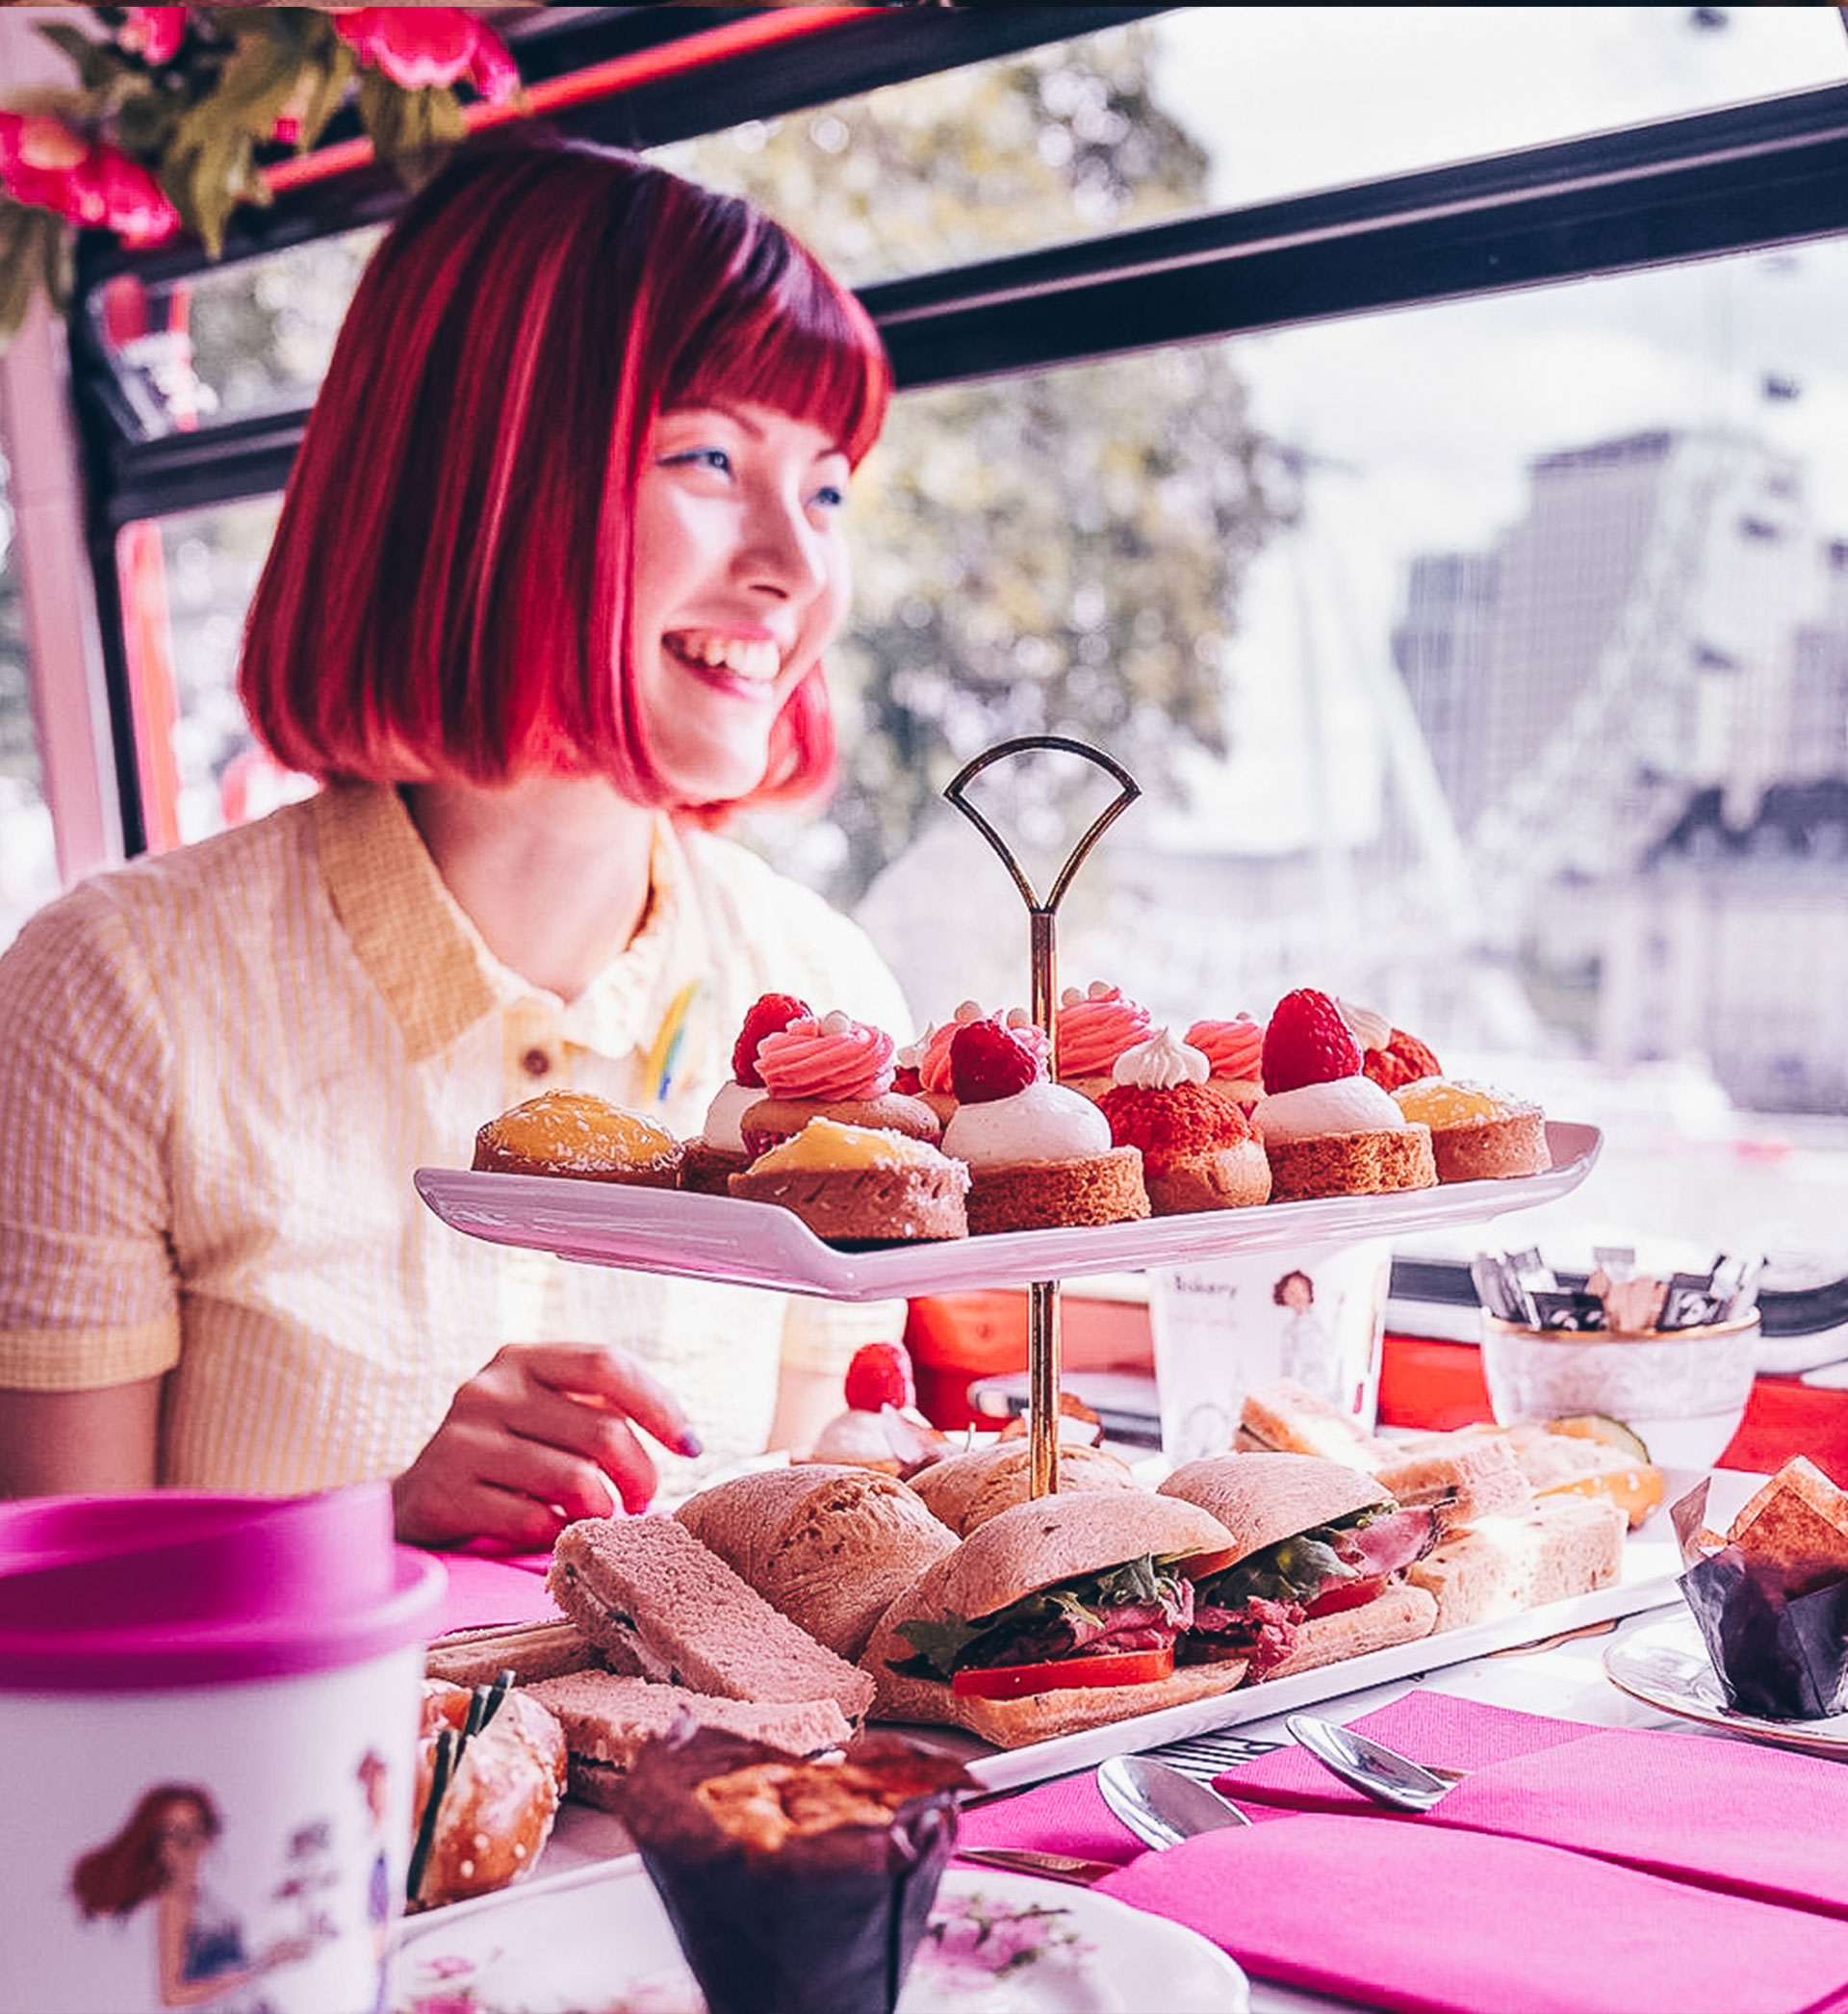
(447, 594)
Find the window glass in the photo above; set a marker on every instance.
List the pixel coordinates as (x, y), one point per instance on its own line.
(28, 859)
(189, 579)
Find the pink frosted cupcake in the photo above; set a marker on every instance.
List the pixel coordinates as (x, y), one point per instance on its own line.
(1233, 1052)
(830, 1068)
(1093, 1028)
(718, 1153)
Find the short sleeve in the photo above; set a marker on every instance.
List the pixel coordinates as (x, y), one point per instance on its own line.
(88, 1293)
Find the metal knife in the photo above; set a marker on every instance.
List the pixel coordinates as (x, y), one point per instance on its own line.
(1054, 1867)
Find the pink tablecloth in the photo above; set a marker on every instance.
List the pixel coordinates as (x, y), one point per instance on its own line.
(494, 1587)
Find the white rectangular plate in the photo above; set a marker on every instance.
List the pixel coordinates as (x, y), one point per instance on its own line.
(753, 1244)
(1651, 1561)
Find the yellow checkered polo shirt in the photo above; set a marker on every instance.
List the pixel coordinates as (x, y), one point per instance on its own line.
(219, 1068)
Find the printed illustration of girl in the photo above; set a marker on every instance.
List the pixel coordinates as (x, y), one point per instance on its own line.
(199, 1947)
(1308, 1350)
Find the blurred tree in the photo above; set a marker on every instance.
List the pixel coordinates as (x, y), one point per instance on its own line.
(1061, 552)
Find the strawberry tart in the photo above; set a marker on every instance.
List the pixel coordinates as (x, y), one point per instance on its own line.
(831, 1067)
(1038, 1153)
(1198, 1150)
(1328, 1130)
(579, 1134)
(929, 1060)
(1234, 1051)
(1092, 1029)
(861, 1185)
(880, 1416)
(718, 1153)
(1477, 1132)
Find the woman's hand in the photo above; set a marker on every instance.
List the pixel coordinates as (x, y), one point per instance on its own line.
(545, 1434)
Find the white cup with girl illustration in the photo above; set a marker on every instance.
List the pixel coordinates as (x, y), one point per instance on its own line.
(1316, 1314)
(208, 1728)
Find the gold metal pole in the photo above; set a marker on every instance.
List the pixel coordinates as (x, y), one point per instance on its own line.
(1042, 1295)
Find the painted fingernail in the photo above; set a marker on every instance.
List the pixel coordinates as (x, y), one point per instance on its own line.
(689, 1444)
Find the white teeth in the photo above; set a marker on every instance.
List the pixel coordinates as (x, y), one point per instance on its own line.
(757, 659)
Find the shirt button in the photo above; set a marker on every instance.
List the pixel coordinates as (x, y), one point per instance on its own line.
(536, 1063)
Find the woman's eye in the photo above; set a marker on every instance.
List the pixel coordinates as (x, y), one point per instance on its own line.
(713, 458)
(830, 496)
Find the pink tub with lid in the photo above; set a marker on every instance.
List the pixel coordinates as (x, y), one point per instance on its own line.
(208, 1716)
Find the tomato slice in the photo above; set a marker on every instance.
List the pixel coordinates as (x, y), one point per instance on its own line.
(1107, 1668)
(1344, 1594)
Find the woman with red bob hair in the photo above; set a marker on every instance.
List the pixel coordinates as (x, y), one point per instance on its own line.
(547, 602)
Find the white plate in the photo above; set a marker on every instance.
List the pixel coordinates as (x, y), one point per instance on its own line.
(752, 1244)
(1651, 1564)
(1667, 1667)
(597, 1942)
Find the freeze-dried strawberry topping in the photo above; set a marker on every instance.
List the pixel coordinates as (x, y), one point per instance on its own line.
(1234, 1048)
(1191, 1119)
(1403, 1061)
(831, 1058)
(1095, 1027)
(1307, 1043)
(991, 1060)
(769, 1015)
(880, 1375)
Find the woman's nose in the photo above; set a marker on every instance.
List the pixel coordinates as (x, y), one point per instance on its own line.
(782, 550)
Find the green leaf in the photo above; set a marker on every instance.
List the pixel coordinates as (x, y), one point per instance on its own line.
(333, 67)
(96, 62)
(410, 130)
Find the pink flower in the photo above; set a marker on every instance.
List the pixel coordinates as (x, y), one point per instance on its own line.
(422, 46)
(42, 161)
(128, 200)
(154, 34)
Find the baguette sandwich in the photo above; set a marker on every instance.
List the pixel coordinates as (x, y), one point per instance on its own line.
(1317, 1569)
(607, 1720)
(830, 1545)
(1056, 1614)
(659, 1605)
(966, 1491)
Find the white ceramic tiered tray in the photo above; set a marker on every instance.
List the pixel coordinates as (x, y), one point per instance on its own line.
(753, 1244)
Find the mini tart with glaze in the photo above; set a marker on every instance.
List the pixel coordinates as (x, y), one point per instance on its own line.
(861, 1185)
(1040, 1154)
(1198, 1150)
(578, 1134)
(1477, 1132)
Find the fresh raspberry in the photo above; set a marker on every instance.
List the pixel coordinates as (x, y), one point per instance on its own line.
(1306, 1042)
(991, 1060)
(770, 1014)
(906, 1080)
(1403, 1061)
(1189, 1120)
(880, 1375)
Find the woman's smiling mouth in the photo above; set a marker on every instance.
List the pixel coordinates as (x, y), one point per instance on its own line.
(755, 659)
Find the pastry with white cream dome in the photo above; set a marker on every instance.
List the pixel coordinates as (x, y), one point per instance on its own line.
(1094, 1027)
(719, 1152)
(1038, 1153)
(1198, 1150)
(1477, 1132)
(861, 1185)
(578, 1134)
(1234, 1051)
(829, 1067)
(1328, 1130)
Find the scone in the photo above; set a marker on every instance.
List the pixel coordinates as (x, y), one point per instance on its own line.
(830, 1068)
(718, 1153)
(1234, 1051)
(1090, 1030)
(858, 1185)
(1477, 1133)
(1198, 1150)
(1038, 1153)
(577, 1133)
(1327, 1130)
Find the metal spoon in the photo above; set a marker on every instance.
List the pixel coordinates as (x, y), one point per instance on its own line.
(1378, 1773)
(1161, 1806)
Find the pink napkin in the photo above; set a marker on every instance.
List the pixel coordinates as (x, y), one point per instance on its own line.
(1434, 1921)
(491, 1589)
(1751, 1821)
(1065, 1816)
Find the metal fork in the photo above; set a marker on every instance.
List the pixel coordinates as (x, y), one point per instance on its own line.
(1205, 1756)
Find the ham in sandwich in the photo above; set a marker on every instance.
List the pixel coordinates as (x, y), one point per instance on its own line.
(1055, 1614)
(1317, 1568)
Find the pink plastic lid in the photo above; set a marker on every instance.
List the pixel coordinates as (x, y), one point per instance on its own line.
(176, 1587)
